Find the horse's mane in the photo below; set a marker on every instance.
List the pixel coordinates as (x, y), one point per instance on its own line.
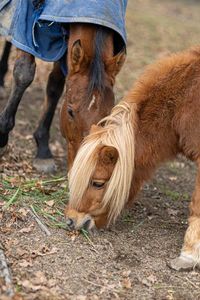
(97, 72)
(117, 131)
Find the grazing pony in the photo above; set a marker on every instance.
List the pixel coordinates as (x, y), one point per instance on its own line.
(158, 119)
(94, 58)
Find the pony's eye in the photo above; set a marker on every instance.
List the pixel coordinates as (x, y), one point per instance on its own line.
(97, 184)
(70, 112)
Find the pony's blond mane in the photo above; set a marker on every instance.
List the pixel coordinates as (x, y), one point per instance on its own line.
(117, 131)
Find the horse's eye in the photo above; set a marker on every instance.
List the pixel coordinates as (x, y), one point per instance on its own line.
(97, 184)
(70, 112)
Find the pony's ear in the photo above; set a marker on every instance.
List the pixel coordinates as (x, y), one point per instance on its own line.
(108, 155)
(77, 56)
(114, 65)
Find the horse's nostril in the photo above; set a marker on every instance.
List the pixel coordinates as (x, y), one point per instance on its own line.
(86, 225)
(70, 222)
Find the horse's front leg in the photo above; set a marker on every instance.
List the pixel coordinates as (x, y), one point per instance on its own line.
(190, 254)
(4, 66)
(23, 75)
(44, 161)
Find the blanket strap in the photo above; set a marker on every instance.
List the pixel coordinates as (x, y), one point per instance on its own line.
(38, 8)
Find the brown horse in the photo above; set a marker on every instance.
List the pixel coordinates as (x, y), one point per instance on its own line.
(94, 58)
(158, 119)
(93, 67)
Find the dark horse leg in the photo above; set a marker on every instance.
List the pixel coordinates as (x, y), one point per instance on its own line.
(44, 161)
(23, 75)
(4, 64)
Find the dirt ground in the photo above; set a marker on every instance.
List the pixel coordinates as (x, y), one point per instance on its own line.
(130, 260)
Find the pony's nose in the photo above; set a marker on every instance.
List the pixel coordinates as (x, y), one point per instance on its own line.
(80, 221)
(70, 223)
(86, 224)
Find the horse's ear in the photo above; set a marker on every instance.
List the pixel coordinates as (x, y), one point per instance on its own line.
(108, 155)
(114, 65)
(77, 56)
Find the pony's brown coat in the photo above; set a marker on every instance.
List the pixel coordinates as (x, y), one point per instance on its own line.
(164, 112)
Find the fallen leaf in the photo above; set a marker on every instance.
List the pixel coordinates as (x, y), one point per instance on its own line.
(44, 251)
(51, 283)
(39, 278)
(6, 230)
(126, 283)
(50, 203)
(28, 285)
(23, 212)
(173, 178)
(172, 212)
(27, 229)
(144, 281)
(25, 264)
(152, 278)
(126, 273)
(21, 253)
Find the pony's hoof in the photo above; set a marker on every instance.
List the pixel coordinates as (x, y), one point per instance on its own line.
(3, 151)
(2, 92)
(182, 263)
(45, 165)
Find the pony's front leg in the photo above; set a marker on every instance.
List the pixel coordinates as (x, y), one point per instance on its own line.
(44, 161)
(190, 254)
(23, 75)
(4, 66)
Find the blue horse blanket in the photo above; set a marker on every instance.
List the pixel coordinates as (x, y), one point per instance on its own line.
(37, 28)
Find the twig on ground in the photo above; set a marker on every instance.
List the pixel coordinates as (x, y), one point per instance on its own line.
(108, 288)
(5, 274)
(192, 284)
(189, 281)
(41, 225)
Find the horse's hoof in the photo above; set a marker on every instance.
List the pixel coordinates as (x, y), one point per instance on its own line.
(3, 151)
(44, 165)
(182, 263)
(2, 92)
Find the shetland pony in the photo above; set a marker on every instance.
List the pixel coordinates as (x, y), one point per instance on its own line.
(93, 61)
(158, 119)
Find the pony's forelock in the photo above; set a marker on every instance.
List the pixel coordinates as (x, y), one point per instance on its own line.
(81, 171)
(118, 132)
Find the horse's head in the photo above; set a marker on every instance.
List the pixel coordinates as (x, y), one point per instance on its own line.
(92, 68)
(100, 177)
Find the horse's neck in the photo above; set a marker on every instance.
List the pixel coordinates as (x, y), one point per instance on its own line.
(85, 34)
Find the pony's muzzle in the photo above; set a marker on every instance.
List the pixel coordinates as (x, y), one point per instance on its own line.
(70, 223)
(80, 222)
